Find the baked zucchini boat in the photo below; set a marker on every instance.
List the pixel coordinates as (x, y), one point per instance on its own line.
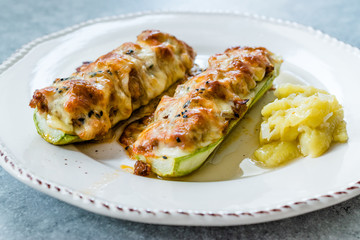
(87, 104)
(187, 127)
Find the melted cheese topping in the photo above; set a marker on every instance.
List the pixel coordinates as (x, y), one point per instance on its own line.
(102, 93)
(201, 109)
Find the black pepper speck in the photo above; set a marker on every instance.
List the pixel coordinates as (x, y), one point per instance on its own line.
(130, 51)
(186, 104)
(90, 113)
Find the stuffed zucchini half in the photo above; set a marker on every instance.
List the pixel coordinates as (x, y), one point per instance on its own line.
(187, 127)
(99, 94)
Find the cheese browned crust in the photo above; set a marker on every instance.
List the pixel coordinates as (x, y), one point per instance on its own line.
(201, 109)
(104, 92)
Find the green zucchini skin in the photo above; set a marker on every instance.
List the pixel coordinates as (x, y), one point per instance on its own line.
(51, 135)
(184, 165)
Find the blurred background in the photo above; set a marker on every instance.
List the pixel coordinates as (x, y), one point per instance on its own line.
(23, 20)
(28, 214)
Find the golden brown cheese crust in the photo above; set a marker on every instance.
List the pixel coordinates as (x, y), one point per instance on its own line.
(145, 114)
(103, 92)
(200, 111)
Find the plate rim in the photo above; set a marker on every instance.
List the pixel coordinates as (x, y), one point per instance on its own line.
(101, 206)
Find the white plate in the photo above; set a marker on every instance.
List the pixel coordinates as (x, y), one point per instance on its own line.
(89, 175)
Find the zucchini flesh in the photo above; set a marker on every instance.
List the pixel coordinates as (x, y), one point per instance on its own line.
(51, 135)
(184, 165)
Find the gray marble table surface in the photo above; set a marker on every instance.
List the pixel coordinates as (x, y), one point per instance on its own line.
(28, 214)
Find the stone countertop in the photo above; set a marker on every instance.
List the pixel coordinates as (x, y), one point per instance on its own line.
(28, 214)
